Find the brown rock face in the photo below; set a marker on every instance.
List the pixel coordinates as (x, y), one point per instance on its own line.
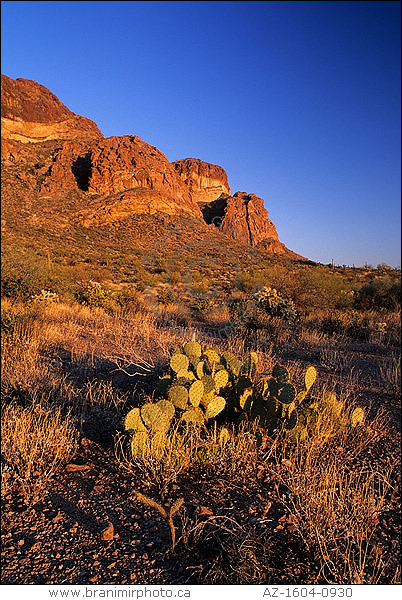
(31, 113)
(118, 164)
(205, 181)
(244, 217)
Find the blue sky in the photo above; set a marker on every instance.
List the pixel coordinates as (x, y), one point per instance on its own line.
(298, 101)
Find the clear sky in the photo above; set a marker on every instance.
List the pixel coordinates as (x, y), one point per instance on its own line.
(298, 101)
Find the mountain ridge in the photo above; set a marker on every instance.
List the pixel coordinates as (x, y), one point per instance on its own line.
(52, 153)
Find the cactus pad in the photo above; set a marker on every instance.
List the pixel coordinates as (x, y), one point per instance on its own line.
(139, 444)
(212, 356)
(200, 369)
(179, 396)
(193, 416)
(281, 375)
(133, 421)
(192, 349)
(196, 393)
(179, 362)
(310, 377)
(288, 394)
(215, 407)
(221, 379)
(357, 416)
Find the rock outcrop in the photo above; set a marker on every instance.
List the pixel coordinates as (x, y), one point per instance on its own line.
(31, 113)
(127, 162)
(205, 181)
(244, 217)
(97, 181)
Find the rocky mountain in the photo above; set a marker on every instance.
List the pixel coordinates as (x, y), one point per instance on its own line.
(58, 166)
(31, 113)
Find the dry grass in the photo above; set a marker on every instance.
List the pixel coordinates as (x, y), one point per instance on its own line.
(35, 443)
(56, 369)
(335, 506)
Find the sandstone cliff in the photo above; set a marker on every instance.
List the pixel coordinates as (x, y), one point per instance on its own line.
(205, 181)
(31, 113)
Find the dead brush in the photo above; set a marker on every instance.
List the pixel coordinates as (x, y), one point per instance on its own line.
(336, 500)
(36, 441)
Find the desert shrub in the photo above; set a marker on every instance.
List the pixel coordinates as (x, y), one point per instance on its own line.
(381, 293)
(165, 296)
(35, 442)
(201, 306)
(22, 276)
(9, 320)
(95, 295)
(128, 297)
(350, 322)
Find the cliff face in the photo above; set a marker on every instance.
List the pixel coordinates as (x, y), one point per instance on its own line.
(31, 113)
(205, 181)
(244, 217)
(98, 181)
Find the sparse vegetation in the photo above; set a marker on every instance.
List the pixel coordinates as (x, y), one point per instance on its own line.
(317, 492)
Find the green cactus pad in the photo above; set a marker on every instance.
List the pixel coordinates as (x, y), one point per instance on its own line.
(246, 400)
(215, 407)
(287, 394)
(200, 372)
(179, 396)
(254, 357)
(139, 444)
(158, 444)
(234, 366)
(157, 416)
(298, 434)
(300, 397)
(221, 379)
(192, 349)
(310, 377)
(357, 416)
(244, 383)
(226, 358)
(167, 409)
(209, 383)
(206, 399)
(179, 362)
(185, 374)
(281, 375)
(133, 421)
(193, 416)
(273, 387)
(195, 393)
(212, 356)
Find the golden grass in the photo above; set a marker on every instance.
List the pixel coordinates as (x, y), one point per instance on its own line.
(335, 497)
(35, 443)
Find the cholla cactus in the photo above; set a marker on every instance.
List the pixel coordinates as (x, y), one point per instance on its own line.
(271, 302)
(44, 298)
(95, 295)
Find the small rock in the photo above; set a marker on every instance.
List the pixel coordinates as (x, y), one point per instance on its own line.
(71, 468)
(20, 542)
(107, 533)
(94, 578)
(203, 510)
